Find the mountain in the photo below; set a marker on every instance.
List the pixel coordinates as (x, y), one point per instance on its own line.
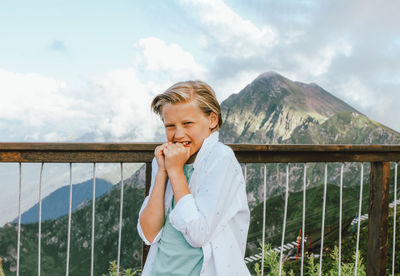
(275, 110)
(56, 204)
(271, 109)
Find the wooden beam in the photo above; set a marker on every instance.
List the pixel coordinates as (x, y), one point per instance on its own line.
(314, 156)
(378, 218)
(151, 146)
(144, 152)
(77, 156)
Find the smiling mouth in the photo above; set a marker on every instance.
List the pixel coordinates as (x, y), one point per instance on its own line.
(185, 143)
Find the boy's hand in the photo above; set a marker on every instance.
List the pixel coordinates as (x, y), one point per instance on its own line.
(159, 154)
(176, 155)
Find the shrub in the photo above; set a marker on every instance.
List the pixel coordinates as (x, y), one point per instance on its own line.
(113, 270)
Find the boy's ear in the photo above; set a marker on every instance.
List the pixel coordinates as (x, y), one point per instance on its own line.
(213, 120)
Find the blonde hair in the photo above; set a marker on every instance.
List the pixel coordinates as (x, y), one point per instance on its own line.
(186, 91)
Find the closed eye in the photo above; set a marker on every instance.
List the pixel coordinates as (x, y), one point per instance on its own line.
(187, 123)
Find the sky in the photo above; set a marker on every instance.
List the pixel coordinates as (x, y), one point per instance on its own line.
(88, 70)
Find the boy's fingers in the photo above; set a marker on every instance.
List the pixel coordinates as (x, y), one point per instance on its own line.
(163, 145)
(160, 148)
(175, 149)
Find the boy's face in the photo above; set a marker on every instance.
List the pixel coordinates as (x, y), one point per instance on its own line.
(185, 123)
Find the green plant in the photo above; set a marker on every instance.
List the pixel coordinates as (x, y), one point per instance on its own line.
(1, 269)
(271, 262)
(346, 268)
(257, 269)
(311, 268)
(112, 270)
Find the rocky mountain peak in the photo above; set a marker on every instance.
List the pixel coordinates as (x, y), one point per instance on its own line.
(269, 75)
(272, 107)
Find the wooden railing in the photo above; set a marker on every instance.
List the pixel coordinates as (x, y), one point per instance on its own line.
(379, 156)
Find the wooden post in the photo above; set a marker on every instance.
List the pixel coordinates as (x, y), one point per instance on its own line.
(145, 248)
(378, 218)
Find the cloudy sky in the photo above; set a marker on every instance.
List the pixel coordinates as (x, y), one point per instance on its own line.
(87, 70)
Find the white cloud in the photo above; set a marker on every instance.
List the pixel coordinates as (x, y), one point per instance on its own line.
(233, 84)
(228, 33)
(51, 137)
(386, 111)
(123, 102)
(159, 57)
(36, 103)
(356, 93)
(30, 97)
(36, 107)
(318, 63)
(378, 101)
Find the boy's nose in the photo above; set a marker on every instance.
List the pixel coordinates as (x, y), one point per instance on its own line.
(179, 133)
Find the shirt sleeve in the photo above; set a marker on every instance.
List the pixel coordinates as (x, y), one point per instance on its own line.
(154, 169)
(215, 201)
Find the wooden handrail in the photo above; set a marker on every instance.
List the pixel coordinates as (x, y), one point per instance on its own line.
(143, 152)
(150, 146)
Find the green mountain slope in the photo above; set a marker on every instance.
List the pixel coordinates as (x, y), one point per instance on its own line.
(54, 238)
(344, 128)
(314, 196)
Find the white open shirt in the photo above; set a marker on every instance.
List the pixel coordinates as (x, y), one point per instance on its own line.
(215, 216)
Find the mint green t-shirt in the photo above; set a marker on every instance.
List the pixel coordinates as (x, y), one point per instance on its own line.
(175, 256)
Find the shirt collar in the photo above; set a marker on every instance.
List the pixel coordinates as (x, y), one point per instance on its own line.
(206, 147)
